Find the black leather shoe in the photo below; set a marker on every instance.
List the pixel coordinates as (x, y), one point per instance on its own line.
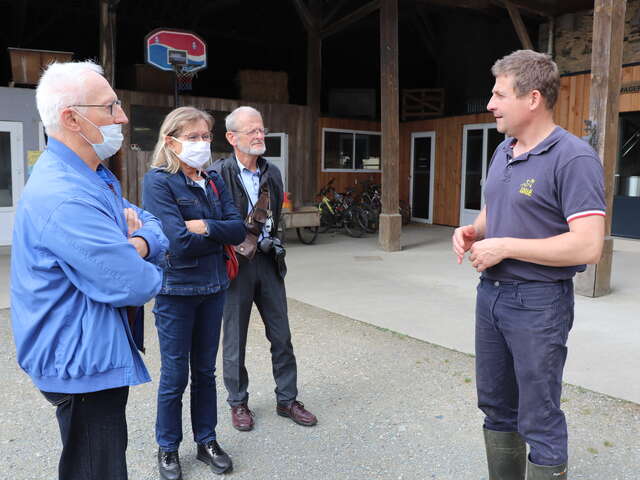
(169, 465)
(212, 454)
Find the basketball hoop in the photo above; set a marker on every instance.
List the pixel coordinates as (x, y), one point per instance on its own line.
(179, 51)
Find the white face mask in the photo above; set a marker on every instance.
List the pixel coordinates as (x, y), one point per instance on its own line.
(194, 154)
(111, 139)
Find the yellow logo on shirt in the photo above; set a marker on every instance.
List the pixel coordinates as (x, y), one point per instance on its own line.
(526, 187)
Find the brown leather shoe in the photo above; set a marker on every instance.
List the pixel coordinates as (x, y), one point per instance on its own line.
(297, 413)
(242, 417)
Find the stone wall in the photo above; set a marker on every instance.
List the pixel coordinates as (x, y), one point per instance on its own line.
(573, 34)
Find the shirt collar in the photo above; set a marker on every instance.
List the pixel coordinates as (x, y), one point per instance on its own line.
(556, 134)
(243, 168)
(70, 157)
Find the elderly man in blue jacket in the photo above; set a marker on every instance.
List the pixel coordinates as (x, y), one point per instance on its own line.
(81, 256)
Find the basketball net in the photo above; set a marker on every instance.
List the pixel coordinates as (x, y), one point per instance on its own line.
(184, 79)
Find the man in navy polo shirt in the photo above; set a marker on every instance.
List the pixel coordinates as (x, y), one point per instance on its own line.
(543, 220)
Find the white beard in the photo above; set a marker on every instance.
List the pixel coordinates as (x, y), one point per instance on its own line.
(254, 150)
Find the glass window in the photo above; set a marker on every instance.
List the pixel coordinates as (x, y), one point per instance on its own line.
(6, 190)
(273, 145)
(473, 174)
(367, 151)
(338, 150)
(351, 150)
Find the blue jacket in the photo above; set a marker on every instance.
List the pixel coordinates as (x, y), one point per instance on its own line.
(195, 264)
(73, 272)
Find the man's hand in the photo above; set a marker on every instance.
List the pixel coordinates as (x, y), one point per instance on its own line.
(133, 222)
(487, 253)
(196, 226)
(463, 238)
(141, 246)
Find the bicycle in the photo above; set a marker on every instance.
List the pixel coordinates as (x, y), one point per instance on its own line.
(339, 212)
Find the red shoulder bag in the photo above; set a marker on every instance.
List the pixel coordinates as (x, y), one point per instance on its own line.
(232, 260)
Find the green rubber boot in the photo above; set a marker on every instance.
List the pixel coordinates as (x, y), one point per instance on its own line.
(506, 455)
(542, 472)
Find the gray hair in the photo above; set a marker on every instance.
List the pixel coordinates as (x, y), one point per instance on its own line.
(531, 71)
(231, 120)
(62, 85)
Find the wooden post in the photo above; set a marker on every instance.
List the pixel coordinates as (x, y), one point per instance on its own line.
(314, 80)
(390, 219)
(311, 17)
(519, 25)
(606, 70)
(108, 39)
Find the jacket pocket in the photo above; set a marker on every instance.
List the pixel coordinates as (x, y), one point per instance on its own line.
(180, 263)
(189, 208)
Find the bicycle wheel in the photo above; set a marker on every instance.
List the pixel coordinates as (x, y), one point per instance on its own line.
(351, 222)
(326, 218)
(405, 212)
(307, 235)
(369, 218)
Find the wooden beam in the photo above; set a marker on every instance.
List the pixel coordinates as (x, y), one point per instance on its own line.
(606, 72)
(352, 17)
(108, 38)
(532, 7)
(519, 25)
(303, 12)
(390, 220)
(332, 13)
(314, 89)
(470, 4)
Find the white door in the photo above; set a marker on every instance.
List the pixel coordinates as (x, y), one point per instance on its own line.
(278, 153)
(479, 141)
(11, 176)
(423, 147)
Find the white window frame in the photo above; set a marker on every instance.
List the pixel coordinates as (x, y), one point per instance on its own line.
(465, 213)
(353, 154)
(284, 154)
(7, 214)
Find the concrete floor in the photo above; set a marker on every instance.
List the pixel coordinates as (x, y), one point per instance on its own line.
(422, 292)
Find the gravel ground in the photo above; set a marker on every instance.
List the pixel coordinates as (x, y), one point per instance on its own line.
(389, 407)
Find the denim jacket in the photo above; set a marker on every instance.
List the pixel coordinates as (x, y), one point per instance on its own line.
(195, 264)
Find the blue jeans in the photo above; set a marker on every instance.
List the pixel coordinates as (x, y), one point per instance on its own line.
(189, 333)
(93, 429)
(521, 336)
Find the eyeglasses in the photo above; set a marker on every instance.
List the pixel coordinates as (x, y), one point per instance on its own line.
(255, 132)
(207, 137)
(109, 107)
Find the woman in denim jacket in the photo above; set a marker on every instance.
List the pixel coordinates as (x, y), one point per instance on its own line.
(198, 220)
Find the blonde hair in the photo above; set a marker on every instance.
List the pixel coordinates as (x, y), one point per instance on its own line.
(163, 157)
(531, 71)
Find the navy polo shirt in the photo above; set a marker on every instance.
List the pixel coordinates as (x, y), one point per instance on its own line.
(537, 194)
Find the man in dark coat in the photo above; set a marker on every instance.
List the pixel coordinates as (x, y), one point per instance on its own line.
(261, 279)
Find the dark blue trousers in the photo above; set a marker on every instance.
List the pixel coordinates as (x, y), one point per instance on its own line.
(521, 336)
(93, 430)
(189, 334)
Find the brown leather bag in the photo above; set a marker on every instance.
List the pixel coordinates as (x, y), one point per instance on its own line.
(255, 223)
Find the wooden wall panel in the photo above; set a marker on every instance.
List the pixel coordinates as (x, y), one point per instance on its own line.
(448, 162)
(279, 118)
(572, 109)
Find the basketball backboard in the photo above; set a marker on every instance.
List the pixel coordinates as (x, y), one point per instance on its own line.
(168, 49)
